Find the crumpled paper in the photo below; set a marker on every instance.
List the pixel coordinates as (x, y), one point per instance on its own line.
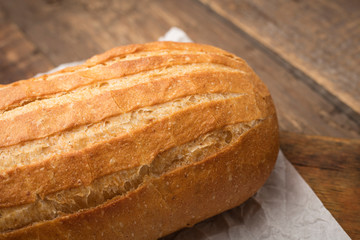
(284, 208)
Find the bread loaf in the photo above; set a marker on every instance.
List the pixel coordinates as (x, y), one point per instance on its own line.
(135, 143)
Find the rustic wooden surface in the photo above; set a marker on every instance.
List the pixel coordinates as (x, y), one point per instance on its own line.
(320, 38)
(331, 166)
(307, 52)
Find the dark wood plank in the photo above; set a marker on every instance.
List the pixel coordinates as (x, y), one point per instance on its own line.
(19, 58)
(320, 38)
(332, 169)
(2, 15)
(58, 31)
(68, 31)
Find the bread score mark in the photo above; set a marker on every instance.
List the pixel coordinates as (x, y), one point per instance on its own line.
(47, 117)
(120, 183)
(47, 86)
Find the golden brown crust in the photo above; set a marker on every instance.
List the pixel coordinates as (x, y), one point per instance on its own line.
(164, 205)
(154, 46)
(45, 121)
(94, 70)
(82, 167)
(127, 81)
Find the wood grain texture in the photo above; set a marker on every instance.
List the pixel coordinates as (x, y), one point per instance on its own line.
(306, 52)
(318, 37)
(69, 32)
(331, 166)
(19, 58)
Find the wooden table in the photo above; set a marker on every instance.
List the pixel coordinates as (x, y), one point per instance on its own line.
(307, 52)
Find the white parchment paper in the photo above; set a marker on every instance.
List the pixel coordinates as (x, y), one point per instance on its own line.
(284, 208)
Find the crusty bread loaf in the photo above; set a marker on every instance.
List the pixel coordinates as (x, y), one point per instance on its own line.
(136, 143)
